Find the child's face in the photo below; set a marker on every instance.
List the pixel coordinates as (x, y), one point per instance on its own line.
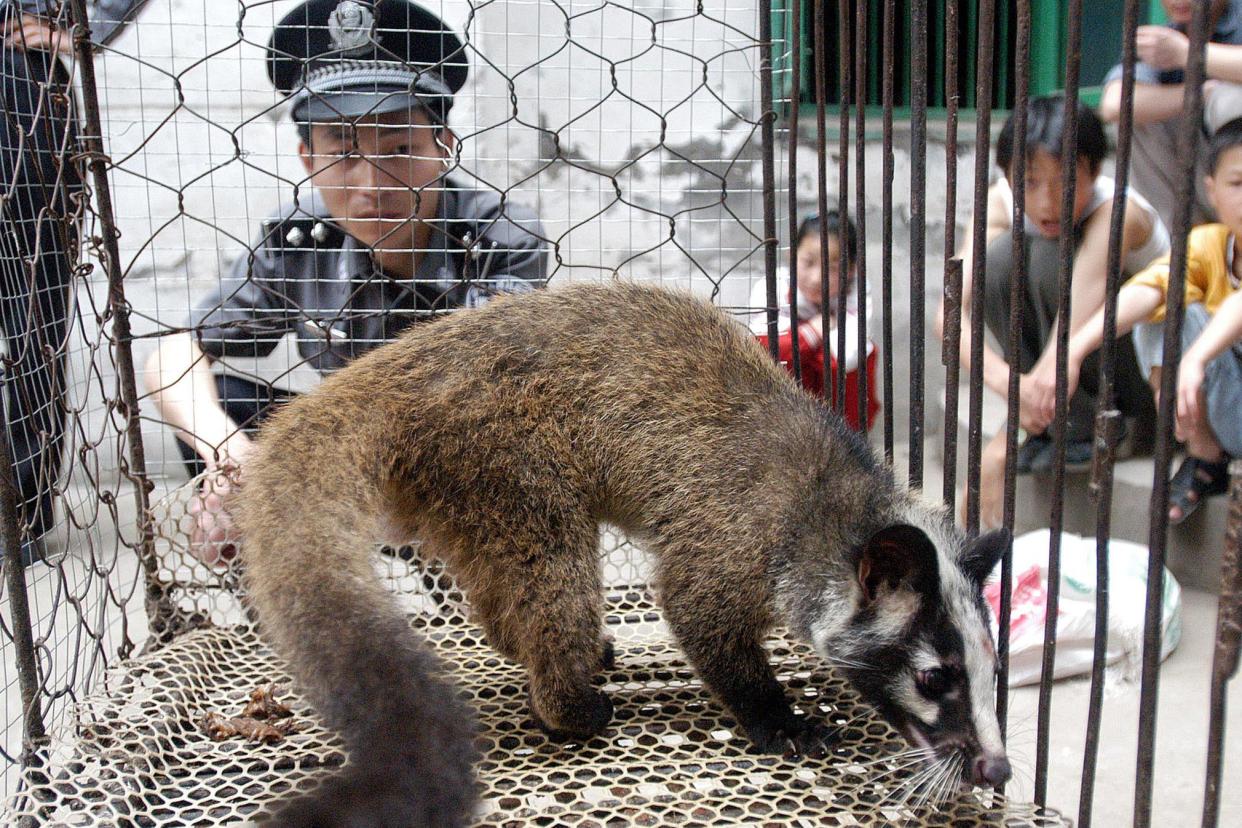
(810, 274)
(1043, 191)
(1224, 189)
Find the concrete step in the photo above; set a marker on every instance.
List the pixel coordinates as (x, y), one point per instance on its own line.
(1193, 549)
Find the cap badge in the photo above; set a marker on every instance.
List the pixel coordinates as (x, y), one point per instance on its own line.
(350, 27)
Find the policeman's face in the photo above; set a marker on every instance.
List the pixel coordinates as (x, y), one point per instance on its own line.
(378, 175)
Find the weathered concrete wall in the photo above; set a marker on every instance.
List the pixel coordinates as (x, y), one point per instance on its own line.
(633, 137)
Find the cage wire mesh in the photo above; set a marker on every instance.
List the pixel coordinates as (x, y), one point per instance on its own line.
(632, 133)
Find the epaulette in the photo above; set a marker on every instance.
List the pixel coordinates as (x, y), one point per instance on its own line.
(287, 231)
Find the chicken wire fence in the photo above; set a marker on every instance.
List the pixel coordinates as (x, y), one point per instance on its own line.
(625, 140)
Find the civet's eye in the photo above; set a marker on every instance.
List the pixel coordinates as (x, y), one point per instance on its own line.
(933, 683)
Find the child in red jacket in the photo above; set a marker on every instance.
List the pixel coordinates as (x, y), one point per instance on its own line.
(813, 293)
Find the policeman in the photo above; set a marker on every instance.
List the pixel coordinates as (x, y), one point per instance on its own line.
(384, 236)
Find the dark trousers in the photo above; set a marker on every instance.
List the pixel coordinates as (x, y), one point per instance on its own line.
(38, 250)
(1040, 300)
(247, 403)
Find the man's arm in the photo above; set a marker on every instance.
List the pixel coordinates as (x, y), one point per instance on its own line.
(1134, 304)
(1153, 102)
(182, 387)
(184, 392)
(1090, 267)
(1165, 49)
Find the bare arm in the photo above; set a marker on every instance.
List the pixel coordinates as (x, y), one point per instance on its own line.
(1153, 102)
(182, 387)
(179, 378)
(1224, 62)
(999, 220)
(1090, 267)
(1221, 332)
(1134, 304)
(1164, 48)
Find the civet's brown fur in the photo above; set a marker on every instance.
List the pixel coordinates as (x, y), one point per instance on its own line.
(503, 437)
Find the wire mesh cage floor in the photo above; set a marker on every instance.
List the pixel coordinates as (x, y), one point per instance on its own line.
(139, 755)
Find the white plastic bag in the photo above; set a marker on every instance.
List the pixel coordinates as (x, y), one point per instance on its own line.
(1076, 608)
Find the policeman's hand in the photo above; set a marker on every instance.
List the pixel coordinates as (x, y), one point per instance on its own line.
(1161, 47)
(214, 537)
(33, 32)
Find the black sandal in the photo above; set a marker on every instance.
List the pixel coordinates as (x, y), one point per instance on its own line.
(1195, 481)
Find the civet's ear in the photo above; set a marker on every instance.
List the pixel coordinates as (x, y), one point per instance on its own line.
(983, 553)
(896, 557)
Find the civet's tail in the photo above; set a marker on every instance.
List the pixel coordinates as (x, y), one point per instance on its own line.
(308, 555)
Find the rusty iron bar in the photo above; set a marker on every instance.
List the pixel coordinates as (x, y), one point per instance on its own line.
(34, 733)
(160, 612)
(795, 93)
(1108, 420)
(886, 255)
(1069, 176)
(860, 209)
(983, 136)
(821, 149)
(767, 146)
(951, 346)
(951, 318)
(1017, 284)
(1192, 117)
(843, 203)
(1228, 643)
(918, 232)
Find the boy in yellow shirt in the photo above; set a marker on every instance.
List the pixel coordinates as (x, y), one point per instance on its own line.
(1209, 383)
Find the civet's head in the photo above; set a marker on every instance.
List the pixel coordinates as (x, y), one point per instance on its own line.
(918, 645)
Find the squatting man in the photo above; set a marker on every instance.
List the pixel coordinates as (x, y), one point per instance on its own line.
(383, 237)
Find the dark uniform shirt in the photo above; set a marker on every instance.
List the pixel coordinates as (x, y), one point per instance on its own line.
(340, 304)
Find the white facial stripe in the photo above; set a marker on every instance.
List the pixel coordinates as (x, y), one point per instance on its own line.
(912, 701)
(957, 592)
(979, 659)
(981, 673)
(894, 611)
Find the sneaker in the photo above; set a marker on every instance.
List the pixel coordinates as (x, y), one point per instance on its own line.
(1078, 455)
(1035, 455)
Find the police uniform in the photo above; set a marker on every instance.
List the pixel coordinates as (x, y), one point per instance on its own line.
(337, 60)
(38, 254)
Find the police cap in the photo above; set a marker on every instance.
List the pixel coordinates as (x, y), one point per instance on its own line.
(341, 59)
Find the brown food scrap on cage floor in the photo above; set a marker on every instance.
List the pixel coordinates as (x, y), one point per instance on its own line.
(220, 727)
(505, 435)
(263, 704)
